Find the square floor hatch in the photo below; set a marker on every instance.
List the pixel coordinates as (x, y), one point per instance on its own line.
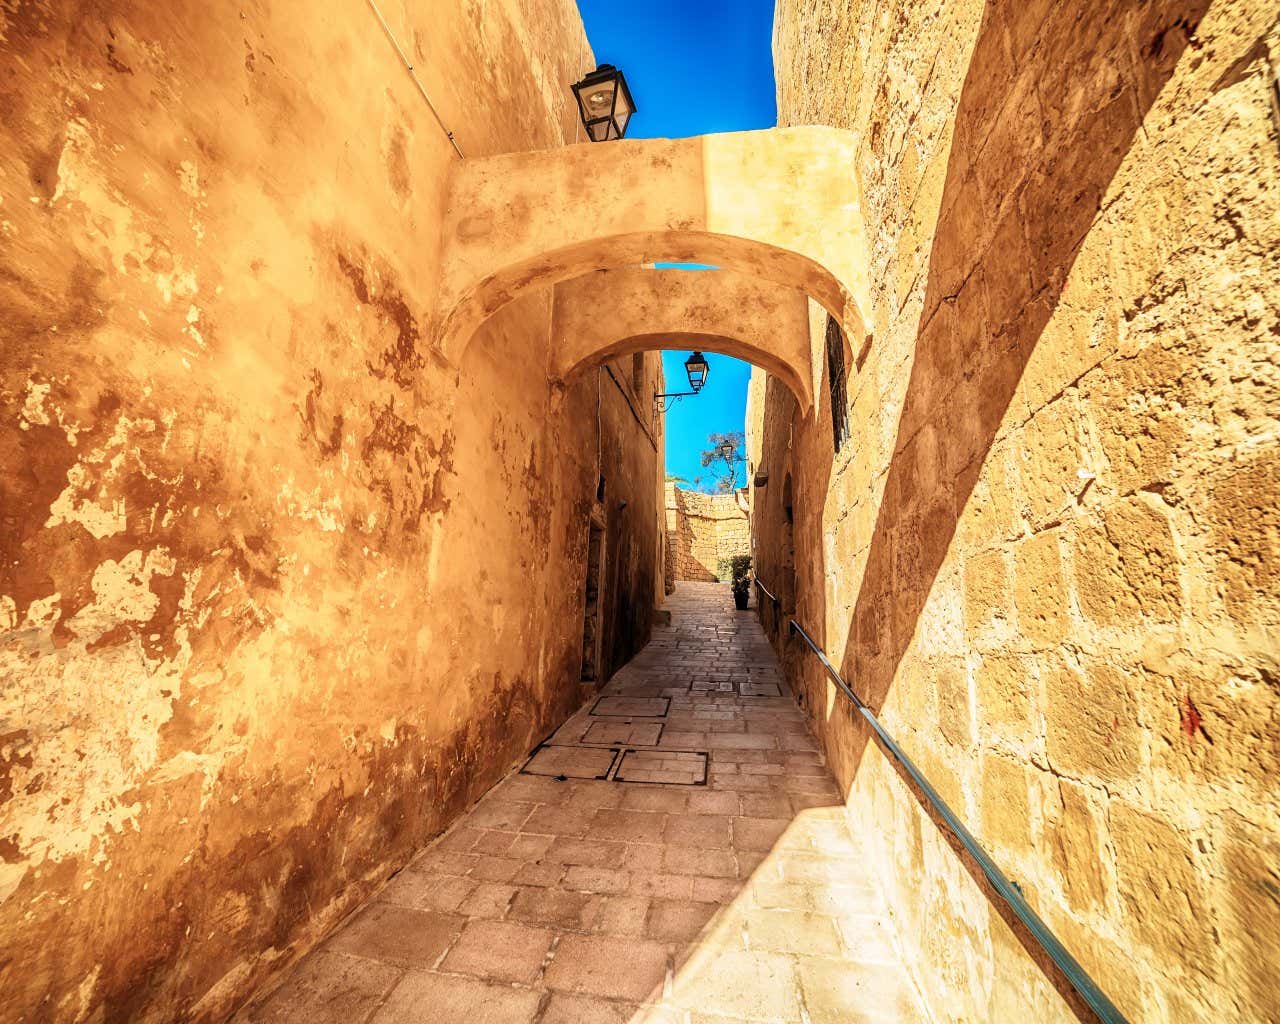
(759, 689)
(571, 762)
(633, 707)
(712, 686)
(672, 767)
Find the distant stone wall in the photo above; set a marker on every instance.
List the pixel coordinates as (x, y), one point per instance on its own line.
(702, 529)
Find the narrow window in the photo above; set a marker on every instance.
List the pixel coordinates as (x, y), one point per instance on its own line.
(637, 374)
(837, 374)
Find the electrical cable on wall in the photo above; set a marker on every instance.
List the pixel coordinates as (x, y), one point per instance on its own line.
(408, 65)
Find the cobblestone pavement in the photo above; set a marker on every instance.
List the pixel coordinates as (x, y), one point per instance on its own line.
(676, 852)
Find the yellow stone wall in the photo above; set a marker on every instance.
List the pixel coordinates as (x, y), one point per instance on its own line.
(702, 530)
(281, 592)
(1047, 553)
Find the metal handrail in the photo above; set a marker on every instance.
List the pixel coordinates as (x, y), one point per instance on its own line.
(768, 593)
(1070, 967)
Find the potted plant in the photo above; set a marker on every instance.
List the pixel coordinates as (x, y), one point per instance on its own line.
(740, 567)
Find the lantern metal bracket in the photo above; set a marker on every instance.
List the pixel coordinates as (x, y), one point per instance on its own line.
(696, 368)
(660, 405)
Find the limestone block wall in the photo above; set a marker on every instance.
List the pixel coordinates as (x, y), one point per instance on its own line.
(702, 529)
(1047, 552)
(280, 592)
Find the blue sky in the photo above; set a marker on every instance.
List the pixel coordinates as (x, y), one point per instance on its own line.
(694, 67)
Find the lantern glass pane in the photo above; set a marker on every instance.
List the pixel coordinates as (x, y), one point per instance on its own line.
(596, 99)
(624, 105)
(696, 367)
(600, 130)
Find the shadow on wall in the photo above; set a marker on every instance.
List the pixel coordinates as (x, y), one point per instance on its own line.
(1021, 193)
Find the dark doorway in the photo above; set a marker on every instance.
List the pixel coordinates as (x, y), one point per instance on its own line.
(592, 628)
(787, 575)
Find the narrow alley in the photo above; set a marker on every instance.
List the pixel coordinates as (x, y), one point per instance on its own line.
(564, 511)
(677, 848)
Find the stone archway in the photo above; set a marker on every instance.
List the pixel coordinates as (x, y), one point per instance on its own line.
(781, 205)
(611, 313)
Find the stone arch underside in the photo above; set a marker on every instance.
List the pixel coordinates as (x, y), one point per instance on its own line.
(782, 205)
(608, 314)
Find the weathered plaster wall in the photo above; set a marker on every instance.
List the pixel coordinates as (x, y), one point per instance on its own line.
(1046, 554)
(702, 529)
(280, 593)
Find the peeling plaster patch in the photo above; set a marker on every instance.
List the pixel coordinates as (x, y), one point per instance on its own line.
(110, 221)
(189, 182)
(189, 179)
(45, 611)
(33, 410)
(84, 992)
(8, 612)
(86, 500)
(193, 317)
(325, 512)
(101, 520)
(190, 763)
(178, 282)
(90, 727)
(122, 593)
(80, 178)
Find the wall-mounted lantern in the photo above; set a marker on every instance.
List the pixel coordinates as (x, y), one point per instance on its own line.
(697, 370)
(604, 103)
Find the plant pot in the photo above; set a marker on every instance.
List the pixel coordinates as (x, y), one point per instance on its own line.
(741, 598)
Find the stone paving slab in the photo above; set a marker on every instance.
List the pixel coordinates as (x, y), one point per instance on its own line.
(572, 762)
(624, 733)
(741, 900)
